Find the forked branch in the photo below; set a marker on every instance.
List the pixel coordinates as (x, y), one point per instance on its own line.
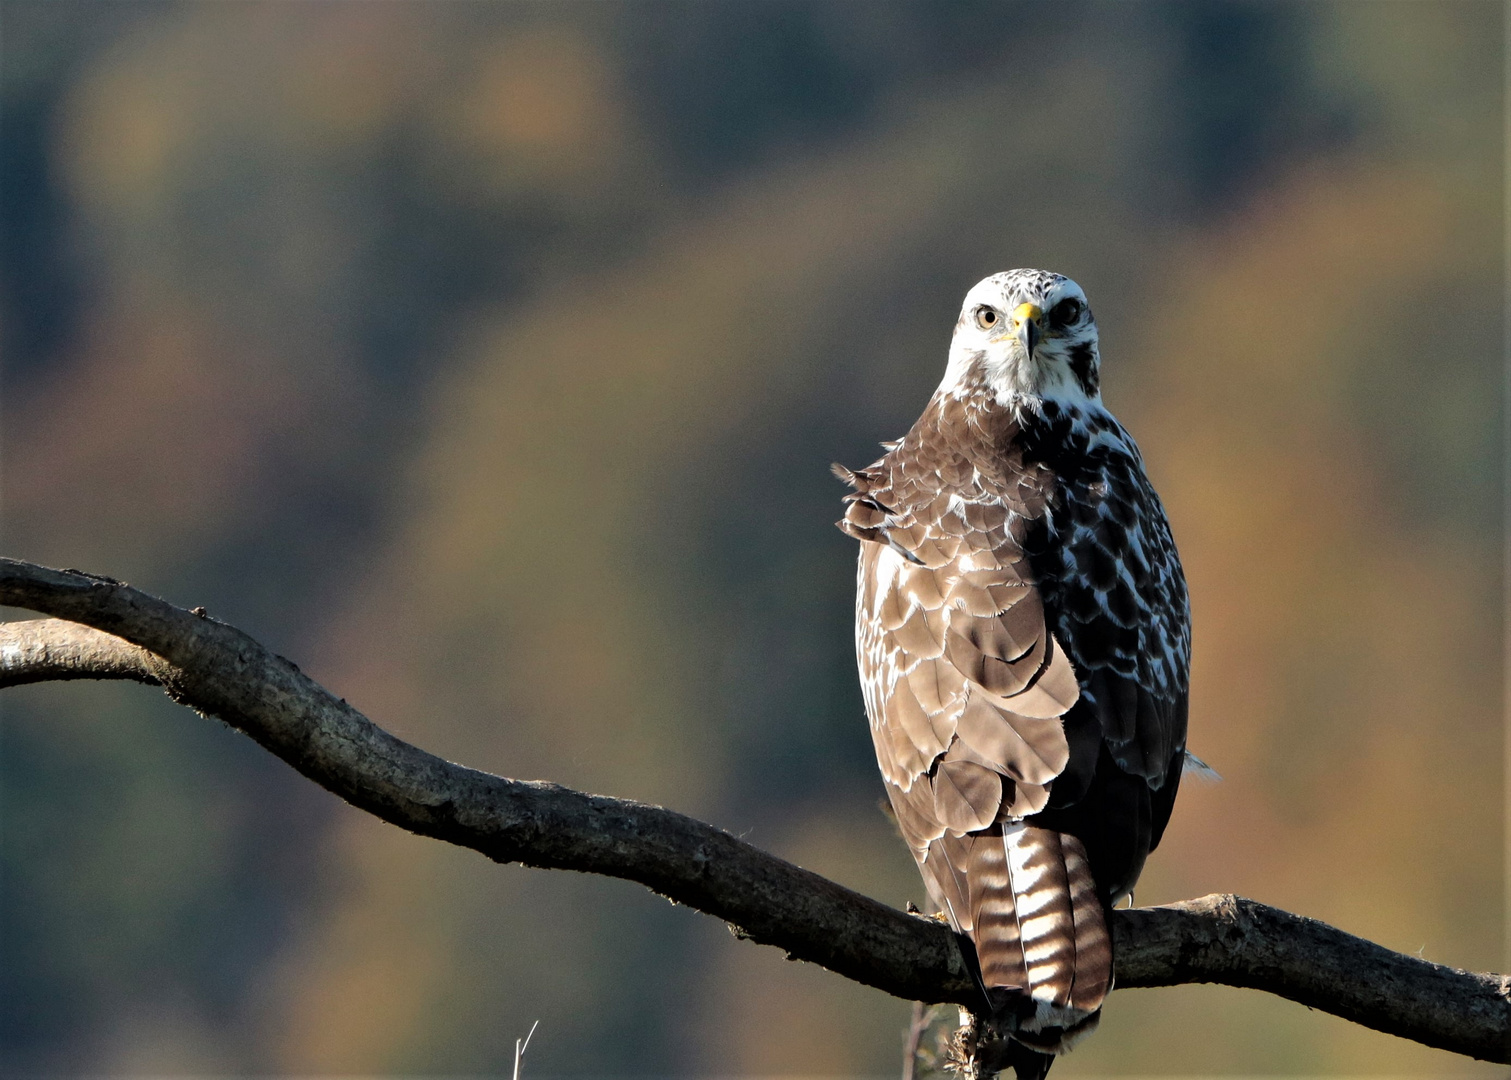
(102, 629)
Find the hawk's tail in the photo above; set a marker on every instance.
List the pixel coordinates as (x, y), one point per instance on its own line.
(1040, 932)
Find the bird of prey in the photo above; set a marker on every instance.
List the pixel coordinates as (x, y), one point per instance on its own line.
(1024, 643)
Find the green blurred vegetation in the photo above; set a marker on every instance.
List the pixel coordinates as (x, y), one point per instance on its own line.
(488, 359)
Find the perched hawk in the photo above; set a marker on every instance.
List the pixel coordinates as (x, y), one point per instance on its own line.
(1024, 642)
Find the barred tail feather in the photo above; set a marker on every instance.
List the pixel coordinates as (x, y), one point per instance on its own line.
(1093, 942)
(994, 915)
(1039, 930)
(1041, 893)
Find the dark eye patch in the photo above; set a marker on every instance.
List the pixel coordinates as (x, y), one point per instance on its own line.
(1066, 312)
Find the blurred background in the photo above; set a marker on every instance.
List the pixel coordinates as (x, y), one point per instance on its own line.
(423, 341)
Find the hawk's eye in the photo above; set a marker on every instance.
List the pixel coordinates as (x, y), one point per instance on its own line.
(986, 317)
(1065, 312)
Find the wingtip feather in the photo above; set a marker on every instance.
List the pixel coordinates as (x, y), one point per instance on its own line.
(1195, 766)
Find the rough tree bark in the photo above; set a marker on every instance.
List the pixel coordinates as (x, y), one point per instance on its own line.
(103, 629)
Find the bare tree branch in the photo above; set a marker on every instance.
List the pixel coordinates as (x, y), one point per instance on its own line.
(1237, 942)
(220, 671)
(54, 650)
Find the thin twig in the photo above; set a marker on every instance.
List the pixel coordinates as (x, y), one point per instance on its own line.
(520, 1046)
(910, 1044)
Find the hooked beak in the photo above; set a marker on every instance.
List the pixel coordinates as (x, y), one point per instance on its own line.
(1029, 329)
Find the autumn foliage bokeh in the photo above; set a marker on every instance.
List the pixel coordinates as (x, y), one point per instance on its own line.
(488, 360)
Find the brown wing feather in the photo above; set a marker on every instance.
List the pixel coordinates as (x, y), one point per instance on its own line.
(966, 689)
